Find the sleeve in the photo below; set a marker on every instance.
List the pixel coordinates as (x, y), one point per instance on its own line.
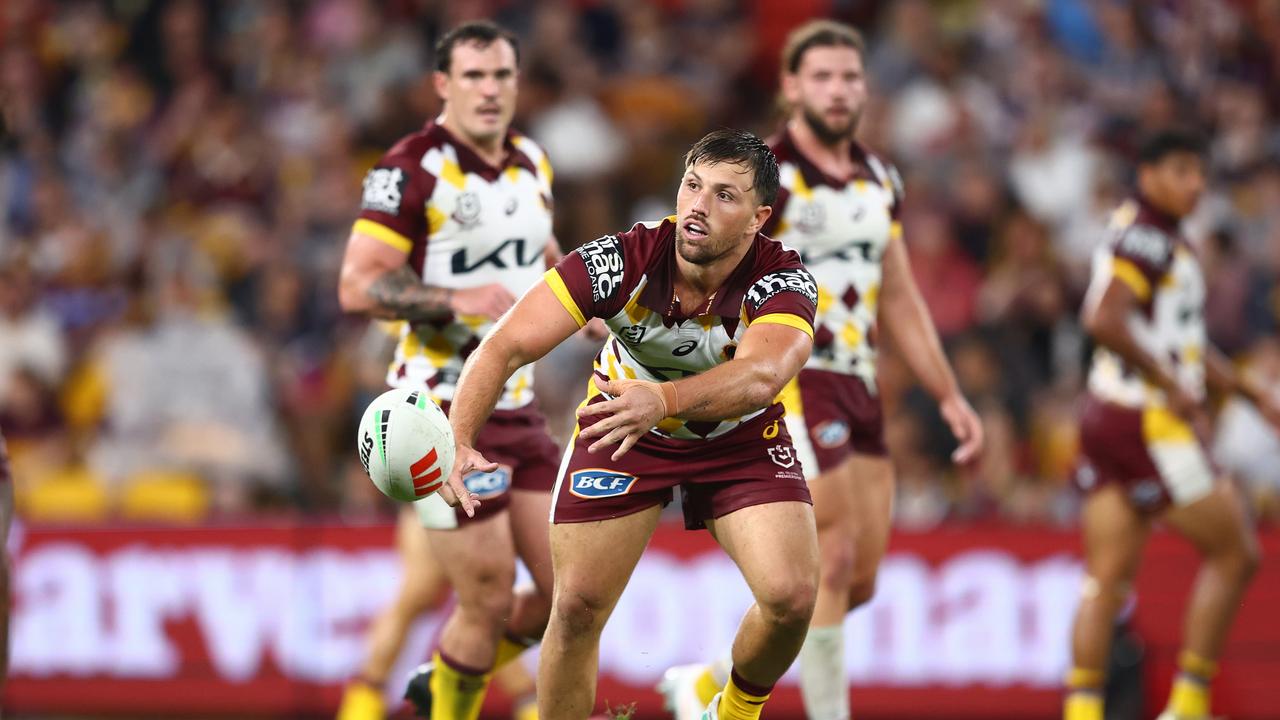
(1140, 257)
(786, 296)
(393, 205)
(589, 280)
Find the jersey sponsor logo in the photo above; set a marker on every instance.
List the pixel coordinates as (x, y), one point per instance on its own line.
(791, 279)
(603, 258)
(782, 455)
(596, 483)
(514, 252)
(383, 190)
(832, 433)
(489, 484)
(467, 212)
(865, 250)
(1145, 243)
(1147, 493)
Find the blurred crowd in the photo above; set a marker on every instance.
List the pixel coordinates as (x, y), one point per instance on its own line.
(177, 181)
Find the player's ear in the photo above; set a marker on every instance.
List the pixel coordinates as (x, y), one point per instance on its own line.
(789, 84)
(441, 83)
(761, 217)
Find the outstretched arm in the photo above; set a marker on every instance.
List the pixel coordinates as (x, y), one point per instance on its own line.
(537, 323)
(766, 359)
(913, 331)
(1223, 377)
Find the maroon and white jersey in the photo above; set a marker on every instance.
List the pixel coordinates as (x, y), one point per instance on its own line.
(841, 229)
(464, 223)
(628, 279)
(1147, 252)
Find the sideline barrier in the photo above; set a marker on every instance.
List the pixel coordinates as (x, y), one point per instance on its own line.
(968, 622)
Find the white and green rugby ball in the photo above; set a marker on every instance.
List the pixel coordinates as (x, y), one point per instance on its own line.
(405, 444)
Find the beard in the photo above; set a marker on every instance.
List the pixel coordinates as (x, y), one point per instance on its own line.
(705, 252)
(827, 134)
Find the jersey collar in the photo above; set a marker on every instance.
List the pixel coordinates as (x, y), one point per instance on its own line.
(727, 303)
(1154, 215)
(470, 162)
(812, 174)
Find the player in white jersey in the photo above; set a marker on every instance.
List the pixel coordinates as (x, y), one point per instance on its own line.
(1142, 429)
(839, 207)
(455, 223)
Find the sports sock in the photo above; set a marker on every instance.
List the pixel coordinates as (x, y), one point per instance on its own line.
(457, 691)
(742, 700)
(714, 676)
(362, 701)
(525, 708)
(822, 678)
(1190, 694)
(1084, 695)
(510, 647)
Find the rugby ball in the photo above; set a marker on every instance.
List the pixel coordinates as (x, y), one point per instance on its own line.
(405, 444)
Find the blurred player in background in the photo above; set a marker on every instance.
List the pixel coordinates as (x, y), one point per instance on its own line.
(6, 517)
(455, 222)
(1142, 432)
(709, 319)
(839, 207)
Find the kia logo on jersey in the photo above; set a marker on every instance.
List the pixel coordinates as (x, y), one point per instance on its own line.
(597, 483)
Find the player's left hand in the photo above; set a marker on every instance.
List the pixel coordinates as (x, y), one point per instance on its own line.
(965, 425)
(637, 406)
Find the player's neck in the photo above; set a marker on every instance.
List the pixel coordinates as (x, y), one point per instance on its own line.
(492, 151)
(696, 282)
(833, 159)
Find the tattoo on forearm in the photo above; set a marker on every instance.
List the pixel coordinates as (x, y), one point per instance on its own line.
(400, 295)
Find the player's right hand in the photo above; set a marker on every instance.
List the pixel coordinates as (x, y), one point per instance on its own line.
(490, 300)
(466, 460)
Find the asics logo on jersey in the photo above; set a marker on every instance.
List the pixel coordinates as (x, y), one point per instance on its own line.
(596, 483)
(794, 280)
(383, 190)
(511, 253)
(1145, 243)
(603, 258)
(488, 484)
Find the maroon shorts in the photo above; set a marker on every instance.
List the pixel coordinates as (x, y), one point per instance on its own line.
(841, 415)
(526, 455)
(1150, 453)
(753, 464)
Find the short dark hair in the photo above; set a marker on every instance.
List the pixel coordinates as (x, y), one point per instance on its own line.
(1164, 142)
(739, 146)
(480, 32)
(818, 33)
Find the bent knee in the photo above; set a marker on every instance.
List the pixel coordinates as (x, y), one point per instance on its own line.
(838, 560)
(580, 611)
(791, 604)
(861, 589)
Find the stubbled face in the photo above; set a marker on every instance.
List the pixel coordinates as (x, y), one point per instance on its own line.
(1174, 184)
(829, 90)
(479, 90)
(716, 208)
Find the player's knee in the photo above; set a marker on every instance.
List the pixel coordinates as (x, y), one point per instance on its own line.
(1246, 561)
(790, 603)
(838, 562)
(489, 595)
(862, 588)
(580, 612)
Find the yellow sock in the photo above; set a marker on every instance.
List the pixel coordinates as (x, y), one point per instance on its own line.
(1084, 695)
(1190, 694)
(361, 701)
(456, 693)
(739, 704)
(526, 708)
(508, 650)
(706, 686)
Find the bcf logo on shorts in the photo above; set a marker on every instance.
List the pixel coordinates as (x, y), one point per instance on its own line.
(595, 483)
(489, 484)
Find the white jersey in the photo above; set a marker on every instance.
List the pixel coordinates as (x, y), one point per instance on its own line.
(464, 223)
(1147, 253)
(841, 229)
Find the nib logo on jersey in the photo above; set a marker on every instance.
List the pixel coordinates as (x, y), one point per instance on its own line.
(595, 483)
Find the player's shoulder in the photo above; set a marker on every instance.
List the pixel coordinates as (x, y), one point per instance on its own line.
(882, 169)
(527, 145)
(1138, 233)
(409, 150)
(777, 268)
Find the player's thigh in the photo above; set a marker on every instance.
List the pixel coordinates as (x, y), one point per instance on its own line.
(1113, 532)
(775, 545)
(594, 560)
(423, 580)
(478, 558)
(531, 530)
(1216, 523)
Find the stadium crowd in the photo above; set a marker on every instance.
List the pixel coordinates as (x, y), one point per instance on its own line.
(177, 180)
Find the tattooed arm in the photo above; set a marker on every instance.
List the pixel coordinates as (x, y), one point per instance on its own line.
(376, 280)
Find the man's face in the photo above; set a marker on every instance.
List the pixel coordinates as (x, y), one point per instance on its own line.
(716, 208)
(829, 90)
(1175, 183)
(479, 90)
